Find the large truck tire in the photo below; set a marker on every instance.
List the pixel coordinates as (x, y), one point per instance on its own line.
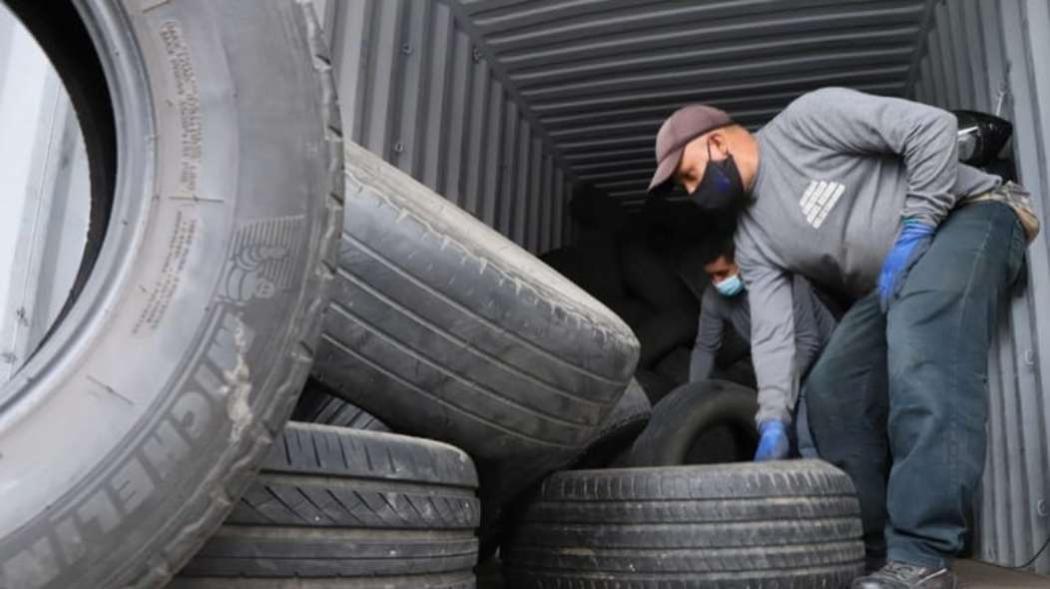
(444, 329)
(337, 504)
(704, 422)
(213, 132)
(789, 525)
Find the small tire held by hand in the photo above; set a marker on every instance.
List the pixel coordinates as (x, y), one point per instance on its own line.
(702, 422)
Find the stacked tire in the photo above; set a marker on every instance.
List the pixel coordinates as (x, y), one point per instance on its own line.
(215, 155)
(690, 510)
(793, 524)
(335, 506)
(445, 329)
(437, 327)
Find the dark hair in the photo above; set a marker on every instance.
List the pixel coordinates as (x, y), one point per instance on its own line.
(719, 249)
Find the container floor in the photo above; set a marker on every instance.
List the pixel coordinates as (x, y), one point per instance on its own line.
(979, 575)
(972, 575)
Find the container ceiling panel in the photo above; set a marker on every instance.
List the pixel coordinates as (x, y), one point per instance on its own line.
(600, 75)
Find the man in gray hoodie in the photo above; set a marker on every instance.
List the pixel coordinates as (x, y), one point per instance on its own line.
(865, 197)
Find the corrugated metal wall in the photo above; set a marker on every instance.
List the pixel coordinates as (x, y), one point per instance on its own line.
(601, 75)
(416, 90)
(981, 55)
(495, 103)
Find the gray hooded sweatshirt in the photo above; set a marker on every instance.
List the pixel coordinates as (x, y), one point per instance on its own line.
(838, 170)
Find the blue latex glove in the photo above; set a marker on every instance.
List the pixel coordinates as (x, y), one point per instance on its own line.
(773, 445)
(912, 242)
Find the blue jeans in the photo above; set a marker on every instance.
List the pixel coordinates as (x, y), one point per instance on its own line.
(899, 401)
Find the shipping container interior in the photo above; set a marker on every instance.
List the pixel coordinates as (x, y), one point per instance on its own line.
(538, 117)
(511, 108)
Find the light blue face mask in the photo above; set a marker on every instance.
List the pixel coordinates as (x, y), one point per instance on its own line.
(730, 287)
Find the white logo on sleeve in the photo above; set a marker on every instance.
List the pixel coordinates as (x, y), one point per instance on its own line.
(818, 200)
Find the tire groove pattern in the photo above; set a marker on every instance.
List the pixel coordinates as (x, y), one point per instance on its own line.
(793, 524)
(465, 381)
(335, 502)
(317, 405)
(470, 338)
(364, 365)
(419, 322)
(473, 314)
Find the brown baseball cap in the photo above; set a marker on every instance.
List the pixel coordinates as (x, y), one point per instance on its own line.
(684, 125)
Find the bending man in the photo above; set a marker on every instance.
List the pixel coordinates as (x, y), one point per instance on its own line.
(865, 196)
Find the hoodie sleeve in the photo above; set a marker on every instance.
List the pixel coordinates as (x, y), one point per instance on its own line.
(708, 338)
(772, 339)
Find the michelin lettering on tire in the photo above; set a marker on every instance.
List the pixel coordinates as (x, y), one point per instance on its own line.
(132, 431)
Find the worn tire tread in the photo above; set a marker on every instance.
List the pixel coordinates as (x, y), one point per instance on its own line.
(336, 502)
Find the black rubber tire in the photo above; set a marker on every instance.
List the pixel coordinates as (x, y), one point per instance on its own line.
(161, 389)
(652, 279)
(455, 581)
(741, 372)
(661, 333)
(704, 422)
(789, 525)
(656, 386)
(592, 264)
(615, 437)
(599, 266)
(620, 429)
(675, 365)
(317, 404)
(337, 503)
(443, 328)
(633, 312)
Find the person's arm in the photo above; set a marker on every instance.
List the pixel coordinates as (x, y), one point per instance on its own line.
(708, 338)
(772, 341)
(923, 136)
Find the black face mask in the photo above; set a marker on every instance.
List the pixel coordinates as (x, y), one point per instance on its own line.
(721, 190)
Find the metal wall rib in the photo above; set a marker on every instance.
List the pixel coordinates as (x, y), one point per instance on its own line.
(600, 75)
(418, 91)
(980, 55)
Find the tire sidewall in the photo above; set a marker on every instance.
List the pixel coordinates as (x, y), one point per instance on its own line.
(163, 378)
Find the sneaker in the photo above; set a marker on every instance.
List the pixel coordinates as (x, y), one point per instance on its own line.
(900, 575)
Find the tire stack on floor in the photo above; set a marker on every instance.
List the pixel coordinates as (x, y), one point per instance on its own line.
(440, 328)
(199, 317)
(789, 524)
(340, 507)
